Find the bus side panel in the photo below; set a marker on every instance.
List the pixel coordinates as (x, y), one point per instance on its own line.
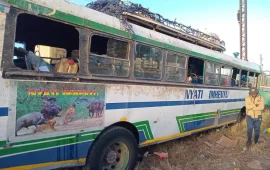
(3, 88)
(73, 116)
(4, 96)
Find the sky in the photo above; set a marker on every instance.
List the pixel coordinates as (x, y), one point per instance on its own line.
(220, 17)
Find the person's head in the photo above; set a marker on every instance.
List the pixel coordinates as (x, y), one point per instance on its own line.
(253, 92)
(73, 105)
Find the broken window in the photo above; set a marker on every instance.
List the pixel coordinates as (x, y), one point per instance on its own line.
(42, 44)
(236, 77)
(225, 78)
(244, 78)
(212, 73)
(109, 57)
(195, 71)
(175, 67)
(148, 62)
(252, 79)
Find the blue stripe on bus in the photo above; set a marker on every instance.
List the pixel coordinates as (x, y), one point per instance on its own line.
(227, 118)
(142, 137)
(131, 105)
(198, 124)
(3, 111)
(63, 153)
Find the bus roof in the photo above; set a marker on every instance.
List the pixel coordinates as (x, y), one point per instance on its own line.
(83, 16)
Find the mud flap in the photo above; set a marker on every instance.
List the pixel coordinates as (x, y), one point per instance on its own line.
(217, 118)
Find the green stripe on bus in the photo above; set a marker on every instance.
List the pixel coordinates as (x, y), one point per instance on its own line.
(32, 145)
(202, 116)
(145, 127)
(22, 4)
(228, 112)
(48, 143)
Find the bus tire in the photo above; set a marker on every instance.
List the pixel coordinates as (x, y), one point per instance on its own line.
(123, 152)
(241, 115)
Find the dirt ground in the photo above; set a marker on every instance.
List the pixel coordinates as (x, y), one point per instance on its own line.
(202, 152)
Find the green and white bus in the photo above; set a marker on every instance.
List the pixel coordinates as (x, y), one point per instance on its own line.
(77, 89)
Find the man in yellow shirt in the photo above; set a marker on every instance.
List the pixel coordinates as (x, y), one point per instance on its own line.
(254, 107)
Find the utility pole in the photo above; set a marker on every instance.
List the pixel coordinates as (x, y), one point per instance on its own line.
(261, 59)
(242, 20)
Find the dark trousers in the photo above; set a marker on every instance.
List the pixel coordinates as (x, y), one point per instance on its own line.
(253, 123)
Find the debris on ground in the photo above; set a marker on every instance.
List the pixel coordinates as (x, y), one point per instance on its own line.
(209, 144)
(203, 152)
(161, 155)
(224, 141)
(255, 164)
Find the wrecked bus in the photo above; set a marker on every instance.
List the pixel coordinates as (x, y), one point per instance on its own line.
(78, 89)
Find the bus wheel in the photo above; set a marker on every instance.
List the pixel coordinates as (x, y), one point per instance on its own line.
(115, 149)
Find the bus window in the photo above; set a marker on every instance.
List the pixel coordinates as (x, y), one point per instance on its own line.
(175, 67)
(195, 71)
(244, 78)
(108, 57)
(43, 43)
(212, 73)
(225, 78)
(235, 77)
(252, 79)
(148, 62)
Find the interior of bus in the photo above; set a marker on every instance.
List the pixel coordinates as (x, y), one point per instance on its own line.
(46, 45)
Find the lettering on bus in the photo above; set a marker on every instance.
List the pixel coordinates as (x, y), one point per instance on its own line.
(38, 92)
(194, 94)
(57, 107)
(213, 94)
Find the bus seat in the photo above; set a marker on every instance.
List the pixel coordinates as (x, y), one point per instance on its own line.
(67, 66)
(138, 66)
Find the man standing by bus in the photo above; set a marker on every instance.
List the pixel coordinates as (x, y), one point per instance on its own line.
(254, 107)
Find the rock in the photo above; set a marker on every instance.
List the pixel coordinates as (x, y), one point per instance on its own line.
(244, 148)
(224, 141)
(261, 140)
(255, 165)
(202, 156)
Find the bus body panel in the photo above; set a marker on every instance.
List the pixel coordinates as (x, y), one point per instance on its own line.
(4, 84)
(159, 114)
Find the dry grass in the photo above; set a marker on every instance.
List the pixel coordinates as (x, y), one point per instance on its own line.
(192, 153)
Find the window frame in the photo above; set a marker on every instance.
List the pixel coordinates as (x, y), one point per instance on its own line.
(239, 84)
(15, 72)
(162, 60)
(205, 72)
(241, 79)
(228, 66)
(254, 76)
(165, 65)
(110, 37)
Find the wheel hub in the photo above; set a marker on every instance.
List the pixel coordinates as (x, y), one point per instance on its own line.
(111, 157)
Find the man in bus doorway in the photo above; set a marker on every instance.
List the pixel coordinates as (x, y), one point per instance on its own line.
(254, 107)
